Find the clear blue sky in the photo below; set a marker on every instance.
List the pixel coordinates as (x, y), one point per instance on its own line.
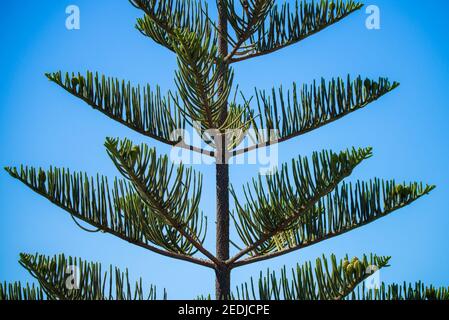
(41, 125)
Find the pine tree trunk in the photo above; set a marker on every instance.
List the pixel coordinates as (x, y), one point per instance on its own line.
(223, 274)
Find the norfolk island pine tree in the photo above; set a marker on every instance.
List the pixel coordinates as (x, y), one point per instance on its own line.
(157, 205)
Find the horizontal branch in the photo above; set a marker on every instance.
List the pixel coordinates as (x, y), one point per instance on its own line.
(297, 113)
(153, 118)
(89, 281)
(395, 197)
(327, 280)
(168, 196)
(116, 226)
(273, 255)
(286, 27)
(283, 205)
(404, 292)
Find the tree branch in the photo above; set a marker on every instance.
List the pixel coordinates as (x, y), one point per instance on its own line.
(255, 18)
(307, 130)
(311, 203)
(293, 41)
(113, 232)
(141, 188)
(273, 255)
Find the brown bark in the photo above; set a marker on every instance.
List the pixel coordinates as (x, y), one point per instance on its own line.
(223, 273)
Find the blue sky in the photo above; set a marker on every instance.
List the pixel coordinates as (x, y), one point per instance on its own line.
(41, 126)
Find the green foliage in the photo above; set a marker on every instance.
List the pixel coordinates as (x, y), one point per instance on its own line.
(86, 198)
(67, 278)
(16, 291)
(144, 111)
(203, 81)
(164, 17)
(417, 291)
(334, 280)
(172, 195)
(295, 113)
(306, 204)
(285, 25)
(328, 280)
(254, 15)
(119, 210)
(272, 212)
